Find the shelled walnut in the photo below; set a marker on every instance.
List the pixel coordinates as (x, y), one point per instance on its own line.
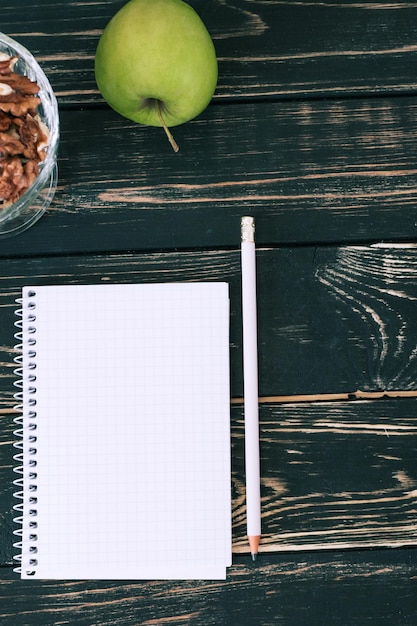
(23, 135)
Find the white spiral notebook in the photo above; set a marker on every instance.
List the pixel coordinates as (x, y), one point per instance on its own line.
(125, 432)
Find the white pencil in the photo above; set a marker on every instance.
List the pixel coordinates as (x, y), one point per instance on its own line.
(250, 382)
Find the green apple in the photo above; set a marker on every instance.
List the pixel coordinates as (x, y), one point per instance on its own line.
(156, 64)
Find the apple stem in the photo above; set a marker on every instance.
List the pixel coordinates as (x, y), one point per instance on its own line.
(168, 133)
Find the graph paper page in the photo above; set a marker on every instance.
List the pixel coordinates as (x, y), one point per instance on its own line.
(132, 423)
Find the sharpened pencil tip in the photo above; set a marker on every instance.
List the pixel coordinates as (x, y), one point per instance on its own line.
(254, 545)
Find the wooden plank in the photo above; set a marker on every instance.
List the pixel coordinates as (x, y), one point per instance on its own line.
(335, 474)
(332, 320)
(265, 49)
(309, 172)
(348, 588)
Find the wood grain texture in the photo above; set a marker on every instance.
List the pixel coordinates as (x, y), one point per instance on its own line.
(332, 320)
(308, 172)
(372, 285)
(313, 131)
(334, 474)
(351, 588)
(276, 49)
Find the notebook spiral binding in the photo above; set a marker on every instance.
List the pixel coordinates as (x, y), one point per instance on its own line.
(25, 435)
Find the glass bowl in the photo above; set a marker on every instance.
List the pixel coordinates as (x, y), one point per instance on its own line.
(27, 209)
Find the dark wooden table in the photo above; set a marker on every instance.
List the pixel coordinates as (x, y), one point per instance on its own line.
(313, 130)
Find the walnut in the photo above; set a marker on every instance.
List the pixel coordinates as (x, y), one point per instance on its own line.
(16, 105)
(34, 136)
(7, 63)
(12, 173)
(31, 171)
(18, 94)
(20, 84)
(5, 121)
(16, 178)
(23, 135)
(10, 145)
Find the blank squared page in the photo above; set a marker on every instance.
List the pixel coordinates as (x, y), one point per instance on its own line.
(132, 431)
